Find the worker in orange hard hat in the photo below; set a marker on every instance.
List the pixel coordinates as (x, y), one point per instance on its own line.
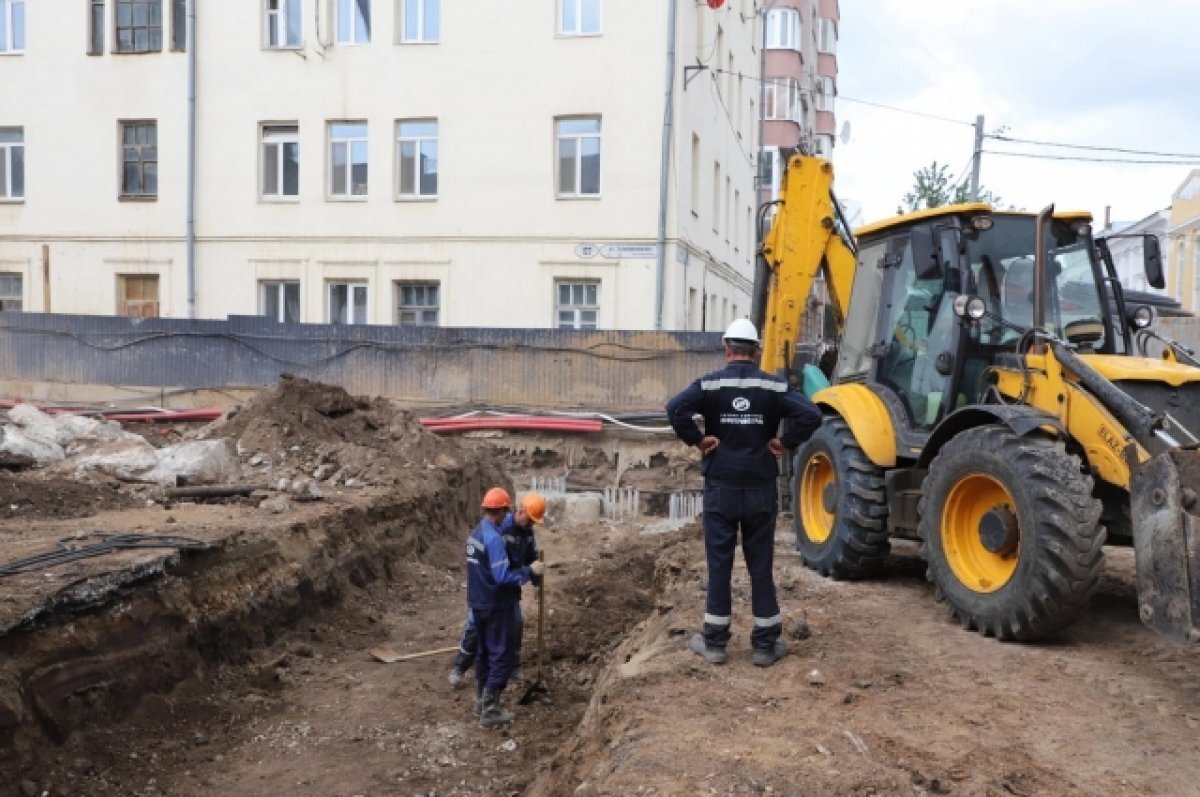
(493, 596)
(522, 548)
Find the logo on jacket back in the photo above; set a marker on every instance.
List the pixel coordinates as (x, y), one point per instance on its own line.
(741, 403)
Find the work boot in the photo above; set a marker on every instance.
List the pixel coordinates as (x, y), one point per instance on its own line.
(517, 676)
(765, 657)
(478, 699)
(494, 713)
(712, 655)
(455, 678)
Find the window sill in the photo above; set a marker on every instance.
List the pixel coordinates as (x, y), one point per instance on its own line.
(287, 48)
(417, 198)
(137, 52)
(11, 52)
(133, 198)
(279, 200)
(577, 197)
(351, 44)
(339, 198)
(562, 35)
(418, 42)
(12, 200)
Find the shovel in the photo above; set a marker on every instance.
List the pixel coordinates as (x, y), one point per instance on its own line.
(536, 688)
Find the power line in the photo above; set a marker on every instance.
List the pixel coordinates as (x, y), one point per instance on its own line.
(1042, 156)
(906, 110)
(1010, 139)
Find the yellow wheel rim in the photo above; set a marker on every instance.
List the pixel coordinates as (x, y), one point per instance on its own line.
(818, 475)
(974, 565)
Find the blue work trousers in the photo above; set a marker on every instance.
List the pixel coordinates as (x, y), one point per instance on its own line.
(753, 510)
(465, 658)
(495, 657)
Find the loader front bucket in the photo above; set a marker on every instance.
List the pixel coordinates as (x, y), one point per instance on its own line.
(1166, 540)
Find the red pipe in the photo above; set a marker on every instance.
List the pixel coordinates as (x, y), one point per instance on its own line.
(171, 416)
(444, 425)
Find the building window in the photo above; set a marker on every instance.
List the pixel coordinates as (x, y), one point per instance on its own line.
(783, 29)
(578, 305)
(824, 146)
(826, 91)
(12, 293)
(737, 219)
(695, 175)
(716, 195)
(579, 17)
(348, 159)
(12, 163)
(279, 301)
(769, 172)
(783, 102)
(578, 157)
(422, 21)
(137, 295)
(280, 161)
(693, 315)
(353, 21)
(826, 36)
(282, 23)
(417, 158)
(178, 25)
(139, 159)
(347, 302)
(417, 304)
(139, 26)
(12, 26)
(95, 27)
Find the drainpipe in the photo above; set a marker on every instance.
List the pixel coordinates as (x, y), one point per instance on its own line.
(191, 158)
(664, 171)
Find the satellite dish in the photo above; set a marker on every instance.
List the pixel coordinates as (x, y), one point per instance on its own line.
(845, 136)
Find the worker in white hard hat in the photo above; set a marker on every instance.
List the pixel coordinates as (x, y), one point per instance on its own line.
(743, 409)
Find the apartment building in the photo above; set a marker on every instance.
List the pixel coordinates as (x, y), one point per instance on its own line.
(497, 164)
(799, 84)
(1183, 243)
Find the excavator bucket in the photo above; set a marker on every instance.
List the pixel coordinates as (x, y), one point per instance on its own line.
(1166, 540)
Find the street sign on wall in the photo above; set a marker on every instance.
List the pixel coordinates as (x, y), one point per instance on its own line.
(629, 251)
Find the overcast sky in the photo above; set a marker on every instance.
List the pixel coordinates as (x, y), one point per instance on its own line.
(1095, 72)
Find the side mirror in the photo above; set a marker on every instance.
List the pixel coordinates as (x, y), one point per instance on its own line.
(927, 261)
(1152, 261)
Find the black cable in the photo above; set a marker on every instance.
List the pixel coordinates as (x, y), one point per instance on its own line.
(1091, 160)
(999, 137)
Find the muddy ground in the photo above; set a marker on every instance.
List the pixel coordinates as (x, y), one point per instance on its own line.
(255, 679)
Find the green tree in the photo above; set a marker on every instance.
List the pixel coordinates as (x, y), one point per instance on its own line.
(933, 187)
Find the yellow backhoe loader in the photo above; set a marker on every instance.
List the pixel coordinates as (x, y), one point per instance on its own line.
(989, 398)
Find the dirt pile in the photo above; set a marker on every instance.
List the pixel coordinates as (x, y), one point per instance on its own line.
(29, 497)
(301, 432)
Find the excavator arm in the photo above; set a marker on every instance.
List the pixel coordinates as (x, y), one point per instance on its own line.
(808, 238)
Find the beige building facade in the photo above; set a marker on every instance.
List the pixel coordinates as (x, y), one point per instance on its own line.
(1183, 243)
(381, 161)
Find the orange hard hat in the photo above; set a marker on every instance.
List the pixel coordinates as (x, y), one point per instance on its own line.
(497, 498)
(535, 505)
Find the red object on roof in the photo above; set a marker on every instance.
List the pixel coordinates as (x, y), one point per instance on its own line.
(715, 4)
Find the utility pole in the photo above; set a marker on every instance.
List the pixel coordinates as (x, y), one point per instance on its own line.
(976, 158)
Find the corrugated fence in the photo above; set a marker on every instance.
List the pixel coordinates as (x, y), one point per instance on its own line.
(550, 368)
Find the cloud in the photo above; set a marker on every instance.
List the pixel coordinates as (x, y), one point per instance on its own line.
(1098, 73)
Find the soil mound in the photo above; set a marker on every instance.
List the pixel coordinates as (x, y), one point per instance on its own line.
(300, 429)
(26, 497)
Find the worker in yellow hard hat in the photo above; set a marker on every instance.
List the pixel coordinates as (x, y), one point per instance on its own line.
(492, 580)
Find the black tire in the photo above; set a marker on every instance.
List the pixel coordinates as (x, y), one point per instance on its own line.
(1058, 552)
(857, 540)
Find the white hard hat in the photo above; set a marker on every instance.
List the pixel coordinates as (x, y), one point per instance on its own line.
(741, 330)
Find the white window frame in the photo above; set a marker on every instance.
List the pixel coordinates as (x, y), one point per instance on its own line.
(354, 36)
(418, 142)
(274, 136)
(418, 36)
(783, 29)
(769, 174)
(824, 145)
(8, 44)
(419, 310)
(353, 287)
(826, 91)
(783, 101)
(578, 138)
(275, 24)
(144, 195)
(277, 313)
(577, 6)
(7, 300)
(576, 309)
(348, 141)
(7, 194)
(826, 36)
